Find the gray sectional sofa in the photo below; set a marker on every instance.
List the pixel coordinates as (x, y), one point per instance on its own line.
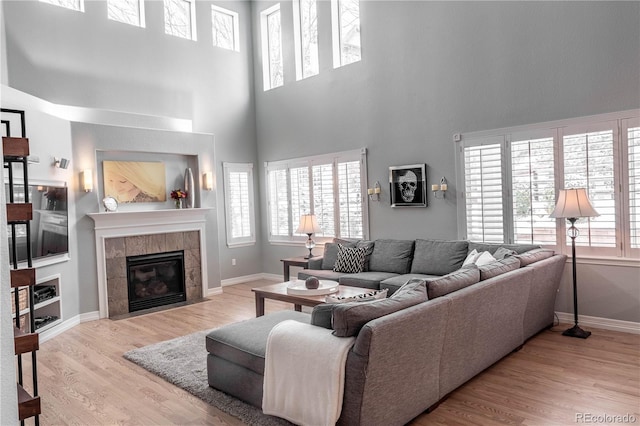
(472, 317)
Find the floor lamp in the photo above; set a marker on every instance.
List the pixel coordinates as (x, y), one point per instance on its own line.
(308, 225)
(573, 204)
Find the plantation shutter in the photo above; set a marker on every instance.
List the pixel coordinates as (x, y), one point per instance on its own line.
(533, 191)
(323, 198)
(240, 219)
(278, 202)
(484, 192)
(633, 150)
(300, 194)
(350, 199)
(588, 163)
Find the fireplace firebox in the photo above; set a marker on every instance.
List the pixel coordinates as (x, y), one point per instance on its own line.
(155, 280)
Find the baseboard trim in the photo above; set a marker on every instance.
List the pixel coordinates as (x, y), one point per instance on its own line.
(253, 277)
(90, 316)
(213, 291)
(604, 323)
(68, 325)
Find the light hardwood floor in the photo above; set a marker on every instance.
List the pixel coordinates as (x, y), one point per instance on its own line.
(84, 380)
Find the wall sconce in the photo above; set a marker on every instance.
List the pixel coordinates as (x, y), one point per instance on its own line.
(207, 181)
(60, 163)
(374, 193)
(440, 189)
(87, 180)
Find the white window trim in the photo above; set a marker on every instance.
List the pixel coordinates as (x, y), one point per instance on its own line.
(142, 23)
(264, 35)
(292, 239)
(239, 241)
(336, 39)
(627, 256)
(236, 25)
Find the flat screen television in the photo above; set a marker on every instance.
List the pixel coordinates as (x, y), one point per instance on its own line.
(49, 227)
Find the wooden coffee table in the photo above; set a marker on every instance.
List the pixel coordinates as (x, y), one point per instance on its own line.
(279, 292)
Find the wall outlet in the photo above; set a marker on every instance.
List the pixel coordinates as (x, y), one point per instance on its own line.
(233, 262)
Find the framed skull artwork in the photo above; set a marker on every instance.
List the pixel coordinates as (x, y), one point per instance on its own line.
(408, 185)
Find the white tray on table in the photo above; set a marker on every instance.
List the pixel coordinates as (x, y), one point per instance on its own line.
(326, 287)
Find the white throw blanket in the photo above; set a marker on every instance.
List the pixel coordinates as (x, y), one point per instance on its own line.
(304, 373)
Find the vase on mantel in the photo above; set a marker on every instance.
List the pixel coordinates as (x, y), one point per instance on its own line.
(179, 203)
(189, 188)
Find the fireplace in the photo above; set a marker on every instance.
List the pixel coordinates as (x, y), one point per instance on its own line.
(155, 280)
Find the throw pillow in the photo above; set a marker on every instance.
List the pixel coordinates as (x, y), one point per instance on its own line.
(364, 297)
(484, 258)
(503, 252)
(456, 280)
(350, 260)
(331, 252)
(349, 318)
(471, 258)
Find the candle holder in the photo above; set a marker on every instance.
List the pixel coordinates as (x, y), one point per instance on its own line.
(374, 193)
(439, 190)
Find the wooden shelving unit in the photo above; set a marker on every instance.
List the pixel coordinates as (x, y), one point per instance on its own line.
(26, 340)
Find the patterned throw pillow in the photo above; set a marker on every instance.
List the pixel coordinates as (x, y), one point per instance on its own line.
(350, 260)
(364, 297)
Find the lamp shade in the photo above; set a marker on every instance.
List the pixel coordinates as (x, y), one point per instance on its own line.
(308, 224)
(573, 203)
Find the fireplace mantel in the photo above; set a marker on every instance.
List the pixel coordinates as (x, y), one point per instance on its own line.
(132, 223)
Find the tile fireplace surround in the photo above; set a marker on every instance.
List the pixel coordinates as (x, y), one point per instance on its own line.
(122, 234)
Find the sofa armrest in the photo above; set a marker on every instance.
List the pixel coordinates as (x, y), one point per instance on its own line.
(315, 263)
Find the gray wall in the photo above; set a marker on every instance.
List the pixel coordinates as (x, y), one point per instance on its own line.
(432, 69)
(85, 59)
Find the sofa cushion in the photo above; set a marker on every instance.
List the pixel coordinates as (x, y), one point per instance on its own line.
(492, 247)
(365, 279)
(533, 256)
(498, 267)
(350, 259)
(436, 257)
(453, 281)
(320, 273)
(245, 342)
(368, 247)
(391, 256)
(397, 281)
(330, 253)
(349, 318)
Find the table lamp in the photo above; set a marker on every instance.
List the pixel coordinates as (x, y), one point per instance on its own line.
(308, 225)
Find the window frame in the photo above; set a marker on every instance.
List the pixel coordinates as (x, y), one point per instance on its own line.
(141, 15)
(618, 122)
(298, 41)
(192, 20)
(292, 222)
(235, 18)
(251, 238)
(266, 55)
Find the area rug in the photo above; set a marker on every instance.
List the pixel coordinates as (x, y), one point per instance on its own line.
(183, 362)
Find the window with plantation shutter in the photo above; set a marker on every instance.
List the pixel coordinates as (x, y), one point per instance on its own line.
(589, 163)
(631, 131)
(511, 178)
(329, 186)
(238, 193)
(483, 192)
(533, 191)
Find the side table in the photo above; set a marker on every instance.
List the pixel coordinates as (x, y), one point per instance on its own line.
(293, 261)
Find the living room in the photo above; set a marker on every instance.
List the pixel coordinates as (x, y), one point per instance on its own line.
(97, 89)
